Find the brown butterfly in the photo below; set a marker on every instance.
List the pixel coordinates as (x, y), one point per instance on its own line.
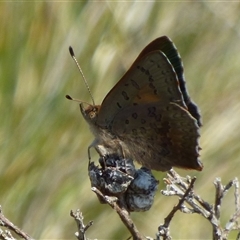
(148, 115)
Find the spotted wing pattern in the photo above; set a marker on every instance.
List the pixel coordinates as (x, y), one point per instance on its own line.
(149, 115)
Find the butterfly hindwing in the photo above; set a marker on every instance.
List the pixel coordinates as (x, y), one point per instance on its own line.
(159, 135)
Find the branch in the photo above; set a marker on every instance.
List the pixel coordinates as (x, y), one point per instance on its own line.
(163, 230)
(80, 225)
(177, 186)
(6, 223)
(233, 221)
(122, 212)
(6, 235)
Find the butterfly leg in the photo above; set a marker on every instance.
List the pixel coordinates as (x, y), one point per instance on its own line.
(123, 153)
(101, 149)
(89, 154)
(93, 144)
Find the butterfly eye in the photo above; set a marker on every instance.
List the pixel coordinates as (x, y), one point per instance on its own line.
(92, 114)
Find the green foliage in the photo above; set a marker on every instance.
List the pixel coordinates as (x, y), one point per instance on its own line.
(44, 139)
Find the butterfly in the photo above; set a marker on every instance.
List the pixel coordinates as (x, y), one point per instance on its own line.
(148, 115)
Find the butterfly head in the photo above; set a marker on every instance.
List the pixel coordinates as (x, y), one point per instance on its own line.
(90, 113)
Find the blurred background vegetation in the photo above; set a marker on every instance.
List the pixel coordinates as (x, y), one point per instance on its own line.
(43, 137)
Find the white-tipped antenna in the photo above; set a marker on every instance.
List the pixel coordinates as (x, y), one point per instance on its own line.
(80, 70)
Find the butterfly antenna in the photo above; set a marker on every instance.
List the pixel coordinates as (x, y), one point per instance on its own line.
(75, 100)
(80, 70)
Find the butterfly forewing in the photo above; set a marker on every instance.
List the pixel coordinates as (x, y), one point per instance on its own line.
(151, 79)
(165, 45)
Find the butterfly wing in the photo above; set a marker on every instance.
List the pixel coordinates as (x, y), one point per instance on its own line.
(152, 84)
(150, 79)
(165, 45)
(159, 136)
